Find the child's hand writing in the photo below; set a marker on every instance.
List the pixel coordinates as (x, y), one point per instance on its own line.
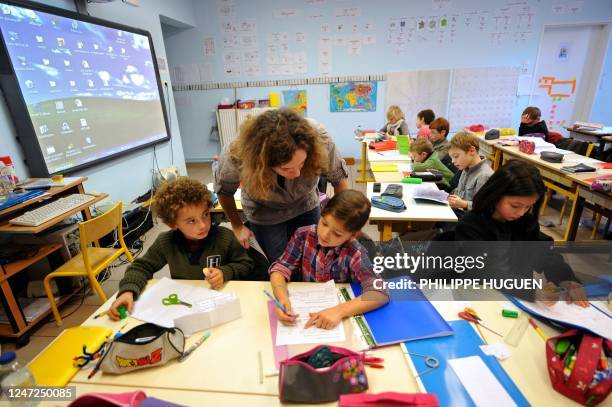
(126, 299)
(575, 293)
(329, 318)
(215, 278)
(288, 317)
(455, 202)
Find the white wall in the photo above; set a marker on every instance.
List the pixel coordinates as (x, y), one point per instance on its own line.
(494, 45)
(129, 176)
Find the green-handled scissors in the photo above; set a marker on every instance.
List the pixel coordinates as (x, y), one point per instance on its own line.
(173, 299)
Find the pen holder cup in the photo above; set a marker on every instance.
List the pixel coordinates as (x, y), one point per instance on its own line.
(579, 372)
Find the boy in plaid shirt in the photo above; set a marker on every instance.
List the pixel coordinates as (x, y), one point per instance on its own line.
(326, 251)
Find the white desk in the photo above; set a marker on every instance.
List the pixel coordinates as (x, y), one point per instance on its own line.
(415, 212)
(225, 368)
(384, 158)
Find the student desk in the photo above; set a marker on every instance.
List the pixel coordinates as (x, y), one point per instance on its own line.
(225, 367)
(415, 212)
(489, 149)
(18, 326)
(590, 136)
(556, 179)
(597, 201)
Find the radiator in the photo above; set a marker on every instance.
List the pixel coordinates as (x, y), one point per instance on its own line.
(229, 121)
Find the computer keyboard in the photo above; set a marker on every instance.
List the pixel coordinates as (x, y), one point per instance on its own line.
(51, 210)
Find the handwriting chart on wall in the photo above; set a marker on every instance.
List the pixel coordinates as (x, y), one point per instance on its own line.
(483, 95)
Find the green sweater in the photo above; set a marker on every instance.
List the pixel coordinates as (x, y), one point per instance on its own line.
(434, 162)
(219, 249)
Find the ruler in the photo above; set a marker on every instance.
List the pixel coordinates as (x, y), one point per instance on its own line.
(517, 331)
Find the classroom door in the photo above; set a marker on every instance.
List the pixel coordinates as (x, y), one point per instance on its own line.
(567, 73)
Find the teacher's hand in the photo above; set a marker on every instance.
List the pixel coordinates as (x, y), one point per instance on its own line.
(243, 234)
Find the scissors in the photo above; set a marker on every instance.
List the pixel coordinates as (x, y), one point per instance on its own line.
(476, 320)
(173, 299)
(430, 361)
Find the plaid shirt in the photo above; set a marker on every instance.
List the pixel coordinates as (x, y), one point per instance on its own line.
(305, 259)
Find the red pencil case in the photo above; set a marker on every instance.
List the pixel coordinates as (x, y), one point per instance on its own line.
(583, 382)
(299, 382)
(526, 146)
(384, 145)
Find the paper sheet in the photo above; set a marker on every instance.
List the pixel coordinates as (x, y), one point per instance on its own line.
(480, 383)
(304, 300)
(589, 318)
(149, 307)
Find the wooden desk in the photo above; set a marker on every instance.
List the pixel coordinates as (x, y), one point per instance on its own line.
(489, 149)
(415, 212)
(597, 201)
(590, 136)
(557, 180)
(18, 327)
(225, 367)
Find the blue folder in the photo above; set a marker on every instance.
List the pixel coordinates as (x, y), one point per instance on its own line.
(14, 198)
(407, 316)
(442, 381)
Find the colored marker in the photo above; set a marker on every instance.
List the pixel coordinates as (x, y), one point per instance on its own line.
(537, 329)
(278, 304)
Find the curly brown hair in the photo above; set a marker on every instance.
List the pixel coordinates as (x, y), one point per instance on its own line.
(270, 140)
(174, 195)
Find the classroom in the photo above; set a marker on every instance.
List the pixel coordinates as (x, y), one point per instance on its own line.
(305, 202)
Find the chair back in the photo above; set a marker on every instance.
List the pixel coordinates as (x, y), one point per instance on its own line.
(94, 229)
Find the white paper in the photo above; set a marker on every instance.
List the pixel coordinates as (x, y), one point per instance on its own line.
(209, 46)
(480, 383)
(248, 25)
(497, 349)
(205, 72)
(589, 318)
(348, 12)
(524, 85)
(304, 300)
(287, 13)
(149, 307)
(300, 37)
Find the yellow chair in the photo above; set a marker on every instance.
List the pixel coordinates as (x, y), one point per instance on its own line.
(91, 260)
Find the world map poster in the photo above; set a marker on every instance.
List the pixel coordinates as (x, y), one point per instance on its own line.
(353, 96)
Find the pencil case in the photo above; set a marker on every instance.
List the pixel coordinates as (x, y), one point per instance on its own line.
(526, 146)
(388, 203)
(389, 399)
(342, 372)
(579, 366)
(143, 346)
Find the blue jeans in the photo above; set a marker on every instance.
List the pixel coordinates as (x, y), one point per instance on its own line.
(274, 238)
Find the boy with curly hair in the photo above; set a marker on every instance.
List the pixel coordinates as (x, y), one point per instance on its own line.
(192, 244)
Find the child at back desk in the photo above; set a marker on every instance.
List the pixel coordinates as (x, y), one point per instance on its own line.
(475, 171)
(192, 244)
(532, 123)
(424, 158)
(326, 251)
(424, 119)
(396, 122)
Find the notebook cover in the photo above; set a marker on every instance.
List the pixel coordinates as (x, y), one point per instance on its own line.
(442, 381)
(54, 365)
(407, 316)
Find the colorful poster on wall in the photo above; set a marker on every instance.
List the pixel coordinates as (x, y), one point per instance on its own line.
(296, 100)
(353, 96)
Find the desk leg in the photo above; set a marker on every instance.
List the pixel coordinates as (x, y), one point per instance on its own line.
(497, 159)
(364, 160)
(13, 310)
(386, 232)
(574, 218)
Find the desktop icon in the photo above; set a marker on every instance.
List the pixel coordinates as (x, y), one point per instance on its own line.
(39, 38)
(83, 122)
(43, 129)
(74, 24)
(90, 83)
(46, 61)
(109, 49)
(13, 36)
(78, 102)
(50, 149)
(66, 63)
(65, 127)
(6, 9)
(72, 83)
(88, 140)
(61, 42)
(52, 84)
(80, 44)
(29, 84)
(22, 60)
(85, 64)
(123, 50)
(59, 105)
(96, 46)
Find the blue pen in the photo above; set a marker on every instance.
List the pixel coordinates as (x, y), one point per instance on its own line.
(278, 304)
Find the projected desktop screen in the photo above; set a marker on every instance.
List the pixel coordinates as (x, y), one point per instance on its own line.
(91, 91)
